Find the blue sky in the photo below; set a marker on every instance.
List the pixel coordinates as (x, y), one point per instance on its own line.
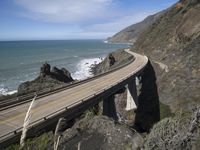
(72, 19)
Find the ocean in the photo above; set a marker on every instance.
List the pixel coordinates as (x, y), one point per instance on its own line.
(20, 61)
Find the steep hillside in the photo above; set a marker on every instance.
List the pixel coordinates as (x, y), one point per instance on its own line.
(131, 33)
(172, 43)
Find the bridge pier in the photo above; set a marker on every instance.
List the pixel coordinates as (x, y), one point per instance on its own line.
(148, 111)
(132, 98)
(109, 108)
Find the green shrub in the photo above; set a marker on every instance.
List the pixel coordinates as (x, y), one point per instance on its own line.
(165, 111)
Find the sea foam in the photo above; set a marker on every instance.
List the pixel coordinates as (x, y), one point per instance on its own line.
(5, 91)
(83, 68)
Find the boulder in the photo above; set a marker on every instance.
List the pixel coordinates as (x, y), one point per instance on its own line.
(62, 75)
(100, 132)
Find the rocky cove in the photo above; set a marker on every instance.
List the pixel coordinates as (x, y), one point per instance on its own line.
(168, 114)
(131, 129)
(53, 77)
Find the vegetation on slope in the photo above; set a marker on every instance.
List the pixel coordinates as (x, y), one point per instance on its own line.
(173, 40)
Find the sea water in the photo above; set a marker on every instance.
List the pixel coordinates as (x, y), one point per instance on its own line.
(20, 61)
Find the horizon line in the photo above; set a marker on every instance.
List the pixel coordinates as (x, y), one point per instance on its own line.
(50, 39)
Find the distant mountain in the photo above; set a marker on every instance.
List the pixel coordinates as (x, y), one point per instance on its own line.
(131, 33)
(172, 43)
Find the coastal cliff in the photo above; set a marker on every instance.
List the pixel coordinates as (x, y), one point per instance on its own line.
(172, 43)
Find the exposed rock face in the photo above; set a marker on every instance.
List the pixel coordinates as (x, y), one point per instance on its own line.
(111, 59)
(131, 33)
(47, 79)
(100, 133)
(45, 70)
(62, 75)
(191, 2)
(172, 43)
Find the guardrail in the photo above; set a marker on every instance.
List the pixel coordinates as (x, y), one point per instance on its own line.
(18, 130)
(5, 104)
(80, 101)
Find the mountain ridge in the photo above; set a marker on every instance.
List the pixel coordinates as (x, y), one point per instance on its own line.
(131, 33)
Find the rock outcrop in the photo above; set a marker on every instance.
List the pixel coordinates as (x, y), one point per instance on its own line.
(45, 70)
(113, 60)
(172, 44)
(100, 133)
(48, 78)
(62, 75)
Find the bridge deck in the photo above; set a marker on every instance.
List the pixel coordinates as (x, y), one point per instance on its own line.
(13, 118)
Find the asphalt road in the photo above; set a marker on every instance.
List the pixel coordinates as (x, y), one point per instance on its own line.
(13, 118)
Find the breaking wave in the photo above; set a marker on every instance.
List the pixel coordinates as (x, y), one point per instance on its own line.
(83, 68)
(5, 91)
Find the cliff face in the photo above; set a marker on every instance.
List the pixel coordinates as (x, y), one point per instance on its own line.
(172, 43)
(131, 33)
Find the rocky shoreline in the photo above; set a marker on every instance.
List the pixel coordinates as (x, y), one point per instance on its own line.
(48, 78)
(82, 127)
(168, 115)
(92, 130)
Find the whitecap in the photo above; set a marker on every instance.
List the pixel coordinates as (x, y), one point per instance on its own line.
(11, 92)
(5, 91)
(83, 68)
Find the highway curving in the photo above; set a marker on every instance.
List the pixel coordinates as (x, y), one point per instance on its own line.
(12, 119)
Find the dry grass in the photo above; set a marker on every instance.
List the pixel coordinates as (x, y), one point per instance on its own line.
(27, 120)
(57, 134)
